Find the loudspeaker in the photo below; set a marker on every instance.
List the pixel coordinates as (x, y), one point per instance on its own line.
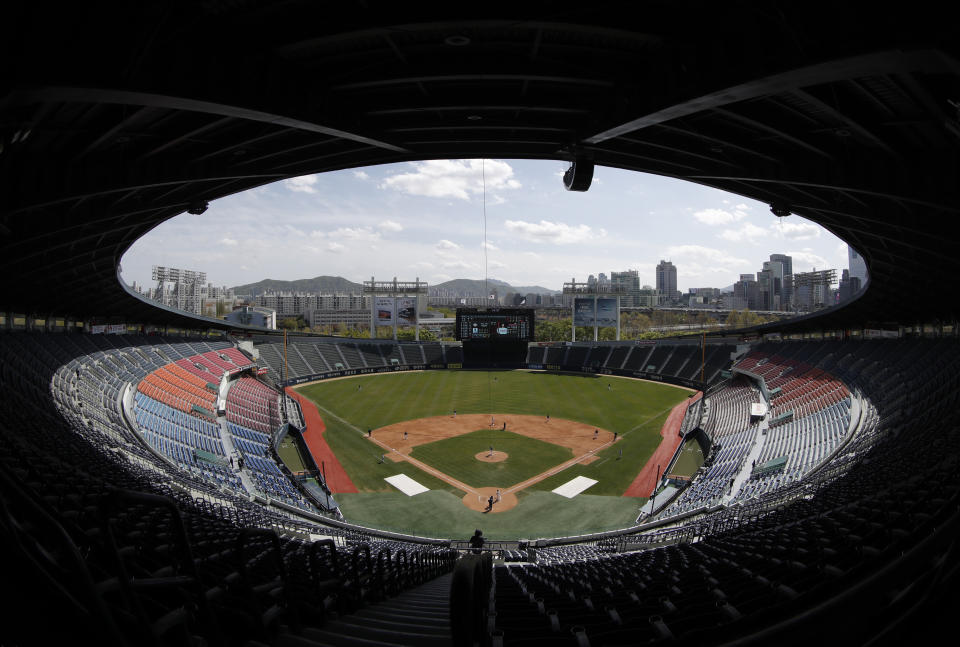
(579, 176)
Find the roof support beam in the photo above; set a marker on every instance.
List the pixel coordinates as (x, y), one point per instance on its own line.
(107, 95)
(831, 71)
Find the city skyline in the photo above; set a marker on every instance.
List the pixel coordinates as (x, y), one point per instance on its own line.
(425, 219)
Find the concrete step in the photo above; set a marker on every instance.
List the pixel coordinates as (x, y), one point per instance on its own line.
(402, 616)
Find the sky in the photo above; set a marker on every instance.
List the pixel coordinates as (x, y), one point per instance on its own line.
(433, 220)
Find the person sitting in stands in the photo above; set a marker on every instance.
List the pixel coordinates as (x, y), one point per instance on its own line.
(476, 542)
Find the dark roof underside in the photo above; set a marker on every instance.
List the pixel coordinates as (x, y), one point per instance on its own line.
(114, 119)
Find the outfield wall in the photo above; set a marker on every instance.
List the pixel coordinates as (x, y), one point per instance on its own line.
(365, 371)
(616, 372)
(555, 368)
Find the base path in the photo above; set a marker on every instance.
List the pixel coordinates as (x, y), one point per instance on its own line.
(646, 480)
(336, 476)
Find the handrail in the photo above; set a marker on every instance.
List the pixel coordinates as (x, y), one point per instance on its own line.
(386, 582)
(469, 597)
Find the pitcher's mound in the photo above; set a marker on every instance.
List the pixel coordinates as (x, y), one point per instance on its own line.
(479, 500)
(487, 457)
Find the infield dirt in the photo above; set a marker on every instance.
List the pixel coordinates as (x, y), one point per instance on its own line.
(402, 437)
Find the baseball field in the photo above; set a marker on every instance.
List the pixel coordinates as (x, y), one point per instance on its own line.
(466, 436)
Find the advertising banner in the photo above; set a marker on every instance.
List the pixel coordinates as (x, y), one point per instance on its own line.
(880, 334)
(384, 307)
(406, 311)
(583, 311)
(607, 312)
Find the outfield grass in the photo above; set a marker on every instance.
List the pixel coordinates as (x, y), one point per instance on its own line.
(443, 515)
(527, 457)
(634, 409)
(394, 397)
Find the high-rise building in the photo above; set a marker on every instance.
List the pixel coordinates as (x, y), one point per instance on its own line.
(858, 267)
(849, 286)
(187, 291)
(667, 280)
(811, 290)
(745, 293)
(786, 279)
(628, 285)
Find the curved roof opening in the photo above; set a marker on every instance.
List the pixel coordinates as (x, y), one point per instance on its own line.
(509, 220)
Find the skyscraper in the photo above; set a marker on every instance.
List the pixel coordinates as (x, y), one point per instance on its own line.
(858, 267)
(628, 284)
(786, 293)
(667, 280)
(745, 293)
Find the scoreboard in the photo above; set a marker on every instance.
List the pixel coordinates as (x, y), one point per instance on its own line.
(494, 324)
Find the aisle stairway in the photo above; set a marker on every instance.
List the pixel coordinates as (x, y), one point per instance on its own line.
(418, 617)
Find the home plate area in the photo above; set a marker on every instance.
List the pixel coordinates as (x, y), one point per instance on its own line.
(406, 484)
(572, 488)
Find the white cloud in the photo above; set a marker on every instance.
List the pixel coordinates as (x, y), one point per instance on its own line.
(361, 175)
(346, 233)
(558, 233)
(805, 260)
(447, 244)
(304, 183)
(796, 230)
(230, 242)
(389, 225)
(355, 233)
(336, 248)
(425, 265)
(456, 265)
(707, 266)
(719, 216)
(496, 265)
(690, 253)
(490, 246)
(748, 232)
(453, 178)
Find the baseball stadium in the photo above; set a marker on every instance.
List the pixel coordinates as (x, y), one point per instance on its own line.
(174, 479)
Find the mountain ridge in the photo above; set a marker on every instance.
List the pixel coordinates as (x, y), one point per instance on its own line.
(337, 284)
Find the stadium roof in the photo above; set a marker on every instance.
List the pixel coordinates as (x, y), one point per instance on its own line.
(117, 116)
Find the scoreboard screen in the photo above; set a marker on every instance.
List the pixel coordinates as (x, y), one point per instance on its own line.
(494, 324)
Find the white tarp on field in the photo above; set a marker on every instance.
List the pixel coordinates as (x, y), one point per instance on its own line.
(405, 484)
(572, 488)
